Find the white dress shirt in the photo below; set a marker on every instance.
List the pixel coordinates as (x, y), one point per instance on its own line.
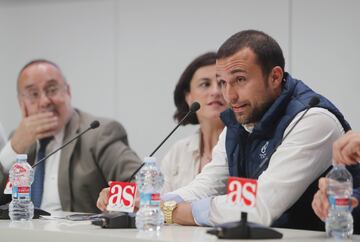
(302, 157)
(50, 199)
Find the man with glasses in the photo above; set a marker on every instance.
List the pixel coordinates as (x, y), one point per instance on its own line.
(71, 179)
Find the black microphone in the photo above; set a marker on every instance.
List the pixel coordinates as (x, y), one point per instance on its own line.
(193, 108)
(94, 124)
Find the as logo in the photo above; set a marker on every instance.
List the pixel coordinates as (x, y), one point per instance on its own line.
(242, 192)
(122, 196)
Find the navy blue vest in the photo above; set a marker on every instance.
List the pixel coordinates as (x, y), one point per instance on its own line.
(249, 154)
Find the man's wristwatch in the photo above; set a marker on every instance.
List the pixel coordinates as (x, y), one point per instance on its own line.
(168, 208)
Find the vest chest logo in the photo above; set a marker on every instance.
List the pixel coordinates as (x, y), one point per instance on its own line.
(263, 150)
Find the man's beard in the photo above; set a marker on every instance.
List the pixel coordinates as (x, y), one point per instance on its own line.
(256, 113)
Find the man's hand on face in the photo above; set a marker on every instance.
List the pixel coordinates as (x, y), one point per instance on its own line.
(32, 128)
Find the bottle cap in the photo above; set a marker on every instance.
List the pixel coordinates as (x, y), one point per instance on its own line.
(149, 159)
(21, 157)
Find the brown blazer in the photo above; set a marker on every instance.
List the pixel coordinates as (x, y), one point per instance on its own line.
(89, 163)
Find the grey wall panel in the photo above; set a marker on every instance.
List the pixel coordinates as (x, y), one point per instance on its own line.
(156, 41)
(123, 58)
(78, 35)
(325, 51)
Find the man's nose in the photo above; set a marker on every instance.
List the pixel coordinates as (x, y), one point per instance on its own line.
(44, 100)
(230, 94)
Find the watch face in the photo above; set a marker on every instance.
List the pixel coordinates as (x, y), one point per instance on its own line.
(169, 203)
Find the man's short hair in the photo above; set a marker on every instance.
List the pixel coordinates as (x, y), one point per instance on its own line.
(268, 52)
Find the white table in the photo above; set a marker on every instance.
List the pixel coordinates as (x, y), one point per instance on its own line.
(68, 231)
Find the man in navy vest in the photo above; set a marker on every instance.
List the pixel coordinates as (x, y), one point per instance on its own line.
(265, 103)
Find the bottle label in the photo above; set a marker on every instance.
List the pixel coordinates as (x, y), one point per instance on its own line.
(342, 203)
(150, 199)
(21, 192)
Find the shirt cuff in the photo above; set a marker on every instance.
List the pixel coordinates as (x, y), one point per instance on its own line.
(7, 157)
(356, 193)
(172, 197)
(200, 210)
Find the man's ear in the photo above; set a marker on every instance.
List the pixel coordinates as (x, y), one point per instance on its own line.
(276, 77)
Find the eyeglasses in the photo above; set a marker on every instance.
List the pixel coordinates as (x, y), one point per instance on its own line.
(33, 94)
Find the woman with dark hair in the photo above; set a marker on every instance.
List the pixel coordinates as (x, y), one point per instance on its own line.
(187, 157)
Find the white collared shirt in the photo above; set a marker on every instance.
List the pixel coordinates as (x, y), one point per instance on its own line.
(50, 199)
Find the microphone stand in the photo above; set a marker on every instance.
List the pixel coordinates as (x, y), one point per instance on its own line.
(244, 230)
(194, 107)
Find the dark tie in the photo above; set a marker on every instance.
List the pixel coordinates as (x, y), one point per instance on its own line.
(38, 185)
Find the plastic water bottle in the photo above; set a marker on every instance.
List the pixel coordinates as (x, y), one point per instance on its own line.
(149, 181)
(339, 223)
(21, 207)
